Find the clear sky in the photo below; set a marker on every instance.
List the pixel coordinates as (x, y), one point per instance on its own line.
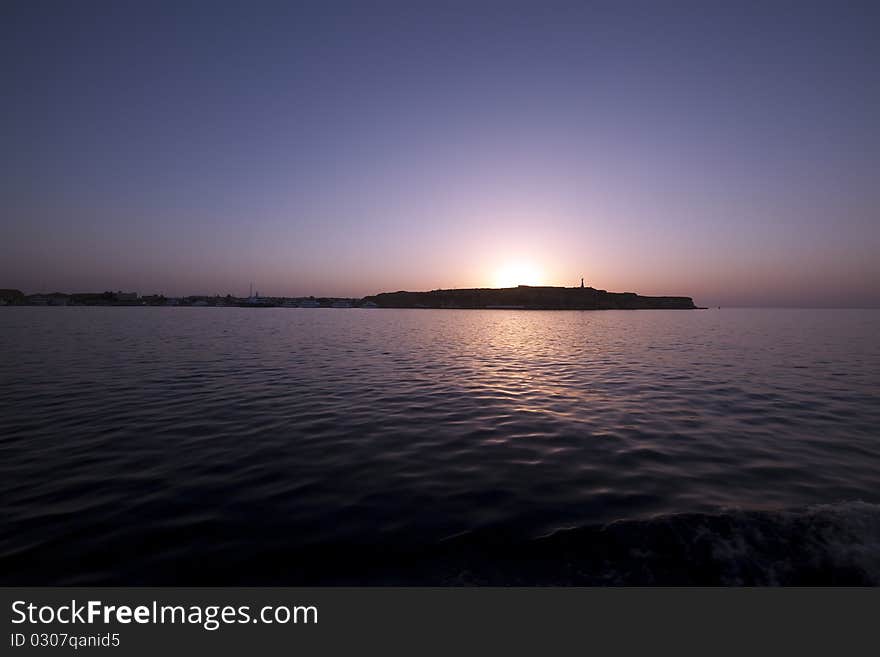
(725, 150)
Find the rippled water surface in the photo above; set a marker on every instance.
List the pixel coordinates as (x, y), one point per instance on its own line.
(225, 445)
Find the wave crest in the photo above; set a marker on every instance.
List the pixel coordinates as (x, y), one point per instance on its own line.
(827, 544)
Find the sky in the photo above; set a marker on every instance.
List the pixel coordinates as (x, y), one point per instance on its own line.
(728, 151)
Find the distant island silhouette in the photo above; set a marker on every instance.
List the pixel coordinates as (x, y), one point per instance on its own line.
(528, 297)
(523, 297)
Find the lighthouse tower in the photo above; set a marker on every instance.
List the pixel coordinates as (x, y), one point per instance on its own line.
(582, 282)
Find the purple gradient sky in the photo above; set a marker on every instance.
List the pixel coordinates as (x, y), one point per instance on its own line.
(727, 151)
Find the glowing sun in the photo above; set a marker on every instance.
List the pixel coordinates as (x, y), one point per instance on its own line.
(517, 273)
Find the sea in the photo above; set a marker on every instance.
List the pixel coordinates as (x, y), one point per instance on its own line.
(300, 446)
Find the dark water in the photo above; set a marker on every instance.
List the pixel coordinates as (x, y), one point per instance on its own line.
(303, 446)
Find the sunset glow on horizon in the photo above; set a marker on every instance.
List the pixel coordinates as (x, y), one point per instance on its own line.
(518, 273)
(728, 153)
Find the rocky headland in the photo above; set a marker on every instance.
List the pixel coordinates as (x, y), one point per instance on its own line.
(525, 297)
